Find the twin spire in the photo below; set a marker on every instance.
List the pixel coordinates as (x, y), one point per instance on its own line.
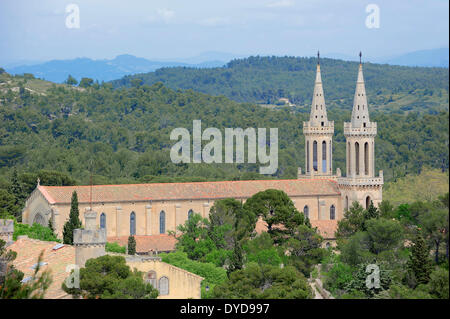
(360, 112)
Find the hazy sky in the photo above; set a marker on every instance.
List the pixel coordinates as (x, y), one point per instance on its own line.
(36, 30)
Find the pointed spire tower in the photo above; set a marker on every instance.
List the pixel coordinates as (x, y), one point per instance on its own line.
(318, 133)
(361, 184)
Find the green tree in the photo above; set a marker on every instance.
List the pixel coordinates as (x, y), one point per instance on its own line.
(86, 82)
(109, 277)
(278, 211)
(71, 80)
(439, 283)
(384, 234)
(74, 221)
(419, 265)
(352, 222)
(435, 228)
(7, 206)
(131, 245)
(264, 282)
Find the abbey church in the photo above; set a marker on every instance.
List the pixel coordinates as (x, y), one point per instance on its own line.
(150, 211)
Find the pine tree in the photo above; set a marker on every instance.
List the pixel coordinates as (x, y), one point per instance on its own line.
(131, 245)
(419, 263)
(74, 221)
(16, 191)
(372, 212)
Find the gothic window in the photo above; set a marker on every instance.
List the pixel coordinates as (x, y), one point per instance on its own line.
(357, 157)
(349, 157)
(132, 224)
(39, 219)
(162, 222)
(190, 213)
(366, 158)
(306, 211)
(315, 155)
(103, 221)
(332, 212)
(324, 157)
(150, 278)
(307, 156)
(163, 286)
(368, 200)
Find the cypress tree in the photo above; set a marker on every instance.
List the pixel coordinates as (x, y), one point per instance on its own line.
(131, 245)
(16, 191)
(419, 263)
(74, 221)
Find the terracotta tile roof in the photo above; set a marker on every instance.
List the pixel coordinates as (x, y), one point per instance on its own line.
(145, 244)
(28, 251)
(197, 190)
(326, 228)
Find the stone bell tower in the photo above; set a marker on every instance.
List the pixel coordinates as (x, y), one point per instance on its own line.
(360, 183)
(318, 133)
(89, 242)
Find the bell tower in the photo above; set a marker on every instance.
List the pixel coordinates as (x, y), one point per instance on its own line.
(318, 133)
(360, 183)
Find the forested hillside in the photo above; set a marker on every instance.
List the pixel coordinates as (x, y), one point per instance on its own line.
(123, 135)
(264, 80)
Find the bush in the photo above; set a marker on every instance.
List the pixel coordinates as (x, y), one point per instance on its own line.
(115, 248)
(36, 231)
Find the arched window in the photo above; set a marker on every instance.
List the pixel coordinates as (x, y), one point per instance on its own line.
(306, 211)
(332, 212)
(366, 158)
(150, 278)
(132, 224)
(103, 221)
(162, 222)
(163, 286)
(368, 200)
(190, 213)
(39, 219)
(349, 157)
(346, 202)
(315, 155)
(357, 157)
(324, 157)
(307, 156)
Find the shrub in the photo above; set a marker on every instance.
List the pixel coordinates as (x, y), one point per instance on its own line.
(36, 231)
(115, 248)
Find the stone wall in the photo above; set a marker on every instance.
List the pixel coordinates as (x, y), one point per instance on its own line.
(6, 230)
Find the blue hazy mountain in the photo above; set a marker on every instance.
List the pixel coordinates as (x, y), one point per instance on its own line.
(101, 70)
(427, 58)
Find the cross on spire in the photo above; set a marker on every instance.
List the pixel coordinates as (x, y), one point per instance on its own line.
(318, 57)
(360, 55)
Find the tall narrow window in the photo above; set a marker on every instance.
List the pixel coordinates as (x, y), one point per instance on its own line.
(324, 157)
(368, 200)
(307, 156)
(349, 158)
(357, 157)
(150, 278)
(366, 158)
(190, 213)
(346, 202)
(163, 286)
(162, 222)
(332, 212)
(315, 155)
(103, 221)
(132, 224)
(306, 211)
(331, 157)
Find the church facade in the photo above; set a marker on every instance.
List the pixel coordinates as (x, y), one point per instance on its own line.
(155, 209)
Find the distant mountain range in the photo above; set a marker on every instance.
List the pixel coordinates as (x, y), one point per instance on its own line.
(101, 70)
(122, 65)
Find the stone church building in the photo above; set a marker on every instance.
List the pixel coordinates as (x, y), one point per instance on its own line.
(152, 210)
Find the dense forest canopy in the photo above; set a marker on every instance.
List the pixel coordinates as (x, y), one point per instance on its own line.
(266, 79)
(123, 135)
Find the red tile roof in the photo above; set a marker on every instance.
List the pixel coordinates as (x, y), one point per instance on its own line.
(179, 191)
(145, 244)
(28, 251)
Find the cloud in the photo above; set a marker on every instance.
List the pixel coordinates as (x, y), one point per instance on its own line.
(162, 15)
(281, 4)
